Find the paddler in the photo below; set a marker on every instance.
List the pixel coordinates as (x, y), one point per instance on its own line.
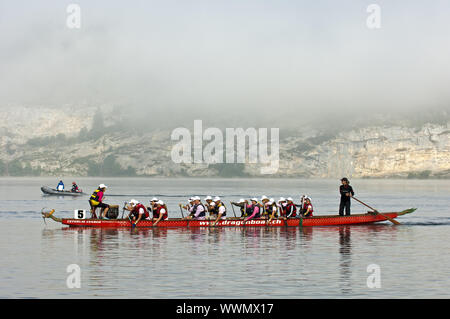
(264, 213)
(160, 213)
(291, 209)
(96, 200)
(152, 206)
(209, 205)
(198, 210)
(308, 207)
(301, 206)
(253, 210)
(137, 211)
(346, 192)
(220, 211)
(242, 203)
(270, 207)
(189, 205)
(282, 206)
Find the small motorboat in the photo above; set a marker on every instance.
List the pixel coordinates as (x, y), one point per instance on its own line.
(51, 191)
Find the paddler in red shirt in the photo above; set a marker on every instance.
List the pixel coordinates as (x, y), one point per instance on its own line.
(138, 212)
(307, 207)
(160, 213)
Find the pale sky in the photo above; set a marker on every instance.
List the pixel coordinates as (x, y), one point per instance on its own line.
(243, 58)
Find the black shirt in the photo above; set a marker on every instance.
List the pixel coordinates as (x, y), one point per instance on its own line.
(345, 189)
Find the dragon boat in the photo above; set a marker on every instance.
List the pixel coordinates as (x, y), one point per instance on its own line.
(323, 220)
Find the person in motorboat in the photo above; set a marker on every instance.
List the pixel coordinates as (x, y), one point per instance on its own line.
(96, 201)
(60, 186)
(75, 188)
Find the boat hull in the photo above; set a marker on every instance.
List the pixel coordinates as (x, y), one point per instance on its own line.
(235, 222)
(51, 191)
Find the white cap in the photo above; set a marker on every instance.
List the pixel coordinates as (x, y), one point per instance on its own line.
(254, 199)
(134, 202)
(242, 201)
(282, 199)
(160, 202)
(154, 199)
(208, 198)
(217, 198)
(196, 198)
(264, 197)
(102, 186)
(272, 200)
(191, 199)
(289, 199)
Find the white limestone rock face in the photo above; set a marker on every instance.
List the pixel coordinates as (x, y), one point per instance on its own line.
(378, 152)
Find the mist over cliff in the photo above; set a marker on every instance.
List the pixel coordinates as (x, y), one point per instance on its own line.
(107, 141)
(103, 98)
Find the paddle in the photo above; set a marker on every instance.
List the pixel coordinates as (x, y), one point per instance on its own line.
(181, 211)
(232, 206)
(123, 208)
(388, 218)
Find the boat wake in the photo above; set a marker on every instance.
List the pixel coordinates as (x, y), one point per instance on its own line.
(437, 221)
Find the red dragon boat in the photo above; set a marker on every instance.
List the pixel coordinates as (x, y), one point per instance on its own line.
(329, 220)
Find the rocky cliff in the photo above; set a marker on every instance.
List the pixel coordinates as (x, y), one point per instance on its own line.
(48, 141)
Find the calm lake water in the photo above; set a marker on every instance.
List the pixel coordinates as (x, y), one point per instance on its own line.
(319, 262)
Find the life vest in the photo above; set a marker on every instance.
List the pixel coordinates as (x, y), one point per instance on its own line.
(95, 199)
(252, 209)
(282, 209)
(156, 212)
(136, 209)
(262, 210)
(211, 208)
(215, 211)
(194, 210)
(244, 211)
(305, 208)
(269, 210)
(290, 207)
